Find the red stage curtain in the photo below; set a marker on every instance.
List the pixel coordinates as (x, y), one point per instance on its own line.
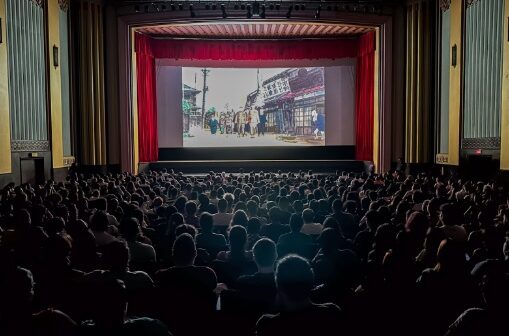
(365, 94)
(147, 103)
(253, 50)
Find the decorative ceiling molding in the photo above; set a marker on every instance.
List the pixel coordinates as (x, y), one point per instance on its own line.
(64, 5)
(258, 30)
(38, 3)
(445, 5)
(471, 2)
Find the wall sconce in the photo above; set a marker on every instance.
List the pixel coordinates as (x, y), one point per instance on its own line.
(454, 58)
(55, 56)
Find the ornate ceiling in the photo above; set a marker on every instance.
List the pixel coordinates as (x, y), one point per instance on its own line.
(255, 30)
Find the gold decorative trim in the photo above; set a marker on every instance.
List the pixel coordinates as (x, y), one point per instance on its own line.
(69, 160)
(64, 5)
(442, 158)
(445, 5)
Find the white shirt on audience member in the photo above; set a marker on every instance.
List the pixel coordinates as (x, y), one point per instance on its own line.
(312, 229)
(222, 219)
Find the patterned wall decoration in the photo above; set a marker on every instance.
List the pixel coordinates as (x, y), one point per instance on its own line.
(445, 5)
(483, 68)
(38, 3)
(472, 2)
(27, 82)
(30, 145)
(64, 5)
(481, 143)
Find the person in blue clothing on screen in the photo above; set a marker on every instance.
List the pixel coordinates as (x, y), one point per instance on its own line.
(213, 123)
(320, 124)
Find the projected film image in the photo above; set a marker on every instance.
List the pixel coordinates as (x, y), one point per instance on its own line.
(225, 107)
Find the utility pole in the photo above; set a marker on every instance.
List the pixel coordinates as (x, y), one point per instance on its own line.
(205, 72)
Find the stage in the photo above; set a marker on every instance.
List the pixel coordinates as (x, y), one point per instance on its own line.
(234, 166)
(320, 159)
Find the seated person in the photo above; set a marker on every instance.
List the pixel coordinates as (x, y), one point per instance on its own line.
(310, 227)
(491, 319)
(260, 288)
(99, 225)
(191, 210)
(222, 219)
(338, 269)
(212, 242)
(185, 290)
(275, 229)
(237, 260)
(298, 315)
(141, 256)
(115, 265)
(254, 226)
(295, 242)
(109, 314)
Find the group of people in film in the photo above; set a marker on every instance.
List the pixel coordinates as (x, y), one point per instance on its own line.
(247, 121)
(252, 121)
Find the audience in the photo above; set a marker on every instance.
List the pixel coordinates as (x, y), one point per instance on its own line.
(211, 242)
(301, 253)
(295, 242)
(298, 315)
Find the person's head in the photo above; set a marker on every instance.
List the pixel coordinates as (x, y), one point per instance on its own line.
(329, 239)
(275, 215)
(417, 224)
(254, 226)
(185, 228)
(206, 222)
(337, 205)
(298, 206)
(99, 221)
(238, 238)
(17, 292)
(239, 218)
(222, 205)
(204, 200)
(283, 203)
(57, 250)
(176, 219)
(130, 229)
(191, 208)
(294, 280)
(308, 216)
(265, 254)
(450, 256)
(54, 226)
(184, 250)
(296, 223)
(110, 298)
(372, 219)
(115, 256)
(494, 283)
(52, 322)
(252, 208)
(180, 204)
(331, 222)
(448, 214)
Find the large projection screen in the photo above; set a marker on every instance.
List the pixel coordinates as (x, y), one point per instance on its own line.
(256, 107)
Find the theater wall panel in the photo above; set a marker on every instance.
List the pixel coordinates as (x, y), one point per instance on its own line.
(484, 24)
(27, 81)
